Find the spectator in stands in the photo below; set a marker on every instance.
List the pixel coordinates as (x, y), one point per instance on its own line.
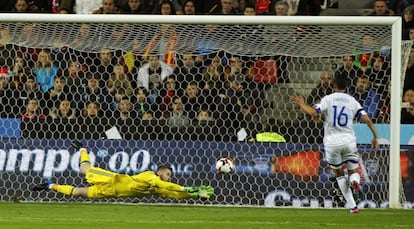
(21, 6)
(93, 92)
(92, 109)
(134, 7)
(125, 110)
(192, 99)
(119, 79)
(141, 104)
(398, 6)
(60, 91)
(381, 9)
(301, 7)
(281, 8)
(186, 71)
(260, 6)
(408, 22)
(33, 111)
(68, 6)
(147, 116)
(226, 8)
(189, 8)
(168, 91)
(45, 70)
(116, 98)
(45, 6)
(249, 10)
(178, 117)
(365, 94)
(379, 74)
(407, 99)
(107, 7)
(152, 74)
(213, 77)
(92, 121)
(167, 8)
(29, 90)
(409, 72)
(7, 89)
(75, 75)
(230, 103)
(411, 33)
(104, 65)
(19, 71)
(63, 110)
(349, 71)
(324, 87)
(204, 115)
(407, 114)
(408, 96)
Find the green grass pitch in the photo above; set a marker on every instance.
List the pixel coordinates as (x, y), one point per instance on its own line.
(102, 216)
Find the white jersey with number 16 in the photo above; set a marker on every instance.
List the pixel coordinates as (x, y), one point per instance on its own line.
(339, 110)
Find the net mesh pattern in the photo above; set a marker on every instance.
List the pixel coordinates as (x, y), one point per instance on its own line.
(270, 63)
(249, 40)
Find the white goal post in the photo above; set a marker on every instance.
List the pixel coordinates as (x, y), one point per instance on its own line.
(317, 49)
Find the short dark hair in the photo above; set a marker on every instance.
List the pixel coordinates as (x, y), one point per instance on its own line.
(164, 167)
(340, 82)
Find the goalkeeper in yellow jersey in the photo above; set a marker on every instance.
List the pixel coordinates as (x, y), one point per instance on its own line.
(107, 184)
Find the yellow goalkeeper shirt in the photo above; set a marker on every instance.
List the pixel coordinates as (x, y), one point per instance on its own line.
(107, 184)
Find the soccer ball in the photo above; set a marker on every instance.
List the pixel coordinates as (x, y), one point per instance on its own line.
(224, 165)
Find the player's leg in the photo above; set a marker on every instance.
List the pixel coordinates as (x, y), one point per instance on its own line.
(68, 190)
(84, 161)
(334, 158)
(345, 188)
(352, 162)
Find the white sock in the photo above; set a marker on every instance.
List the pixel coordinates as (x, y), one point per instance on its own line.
(355, 177)
(346, 191)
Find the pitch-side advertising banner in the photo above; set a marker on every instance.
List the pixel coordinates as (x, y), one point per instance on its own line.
(266, 174)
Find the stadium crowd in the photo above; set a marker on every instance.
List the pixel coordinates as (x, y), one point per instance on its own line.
(201, 7)
(67, 93)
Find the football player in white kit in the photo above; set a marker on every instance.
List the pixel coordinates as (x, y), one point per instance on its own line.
(339, 111)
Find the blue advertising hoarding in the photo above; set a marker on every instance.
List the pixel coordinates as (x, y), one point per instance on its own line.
(266, 174)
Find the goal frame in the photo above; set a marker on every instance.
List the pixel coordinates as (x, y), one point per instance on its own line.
(394, 22)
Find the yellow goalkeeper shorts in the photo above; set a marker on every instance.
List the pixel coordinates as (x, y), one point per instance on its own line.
(107, 184)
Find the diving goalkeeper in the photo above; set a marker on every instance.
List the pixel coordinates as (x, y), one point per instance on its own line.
(107, 184)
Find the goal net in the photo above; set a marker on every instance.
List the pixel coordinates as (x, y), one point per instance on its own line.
(145, 91)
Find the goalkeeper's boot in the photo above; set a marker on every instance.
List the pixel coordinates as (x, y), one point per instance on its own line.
(76, 145)
(41, 187)
(205, 192)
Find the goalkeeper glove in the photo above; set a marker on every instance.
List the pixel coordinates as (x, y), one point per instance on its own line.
(190, 189)
(203, 193)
